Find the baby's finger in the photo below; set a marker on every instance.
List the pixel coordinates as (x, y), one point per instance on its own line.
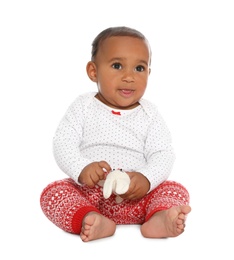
(100, 173)
(95, 178)
(104, 165)
(90, 183)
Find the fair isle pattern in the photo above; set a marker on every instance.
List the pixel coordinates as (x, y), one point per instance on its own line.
(167, 195)
(61, 200)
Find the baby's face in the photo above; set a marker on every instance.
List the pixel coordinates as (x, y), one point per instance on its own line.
(122, 70)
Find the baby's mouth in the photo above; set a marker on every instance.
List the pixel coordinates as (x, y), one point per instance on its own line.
(126, 92)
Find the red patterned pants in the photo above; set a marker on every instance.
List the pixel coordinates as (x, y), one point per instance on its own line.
(65, 203)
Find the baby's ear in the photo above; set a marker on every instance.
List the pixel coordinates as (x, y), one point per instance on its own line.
(91, 70)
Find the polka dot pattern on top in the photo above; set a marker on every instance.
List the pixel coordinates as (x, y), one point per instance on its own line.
(133, 140)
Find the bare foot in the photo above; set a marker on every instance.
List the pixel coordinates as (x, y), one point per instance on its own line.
(166, 223)
(96, 226)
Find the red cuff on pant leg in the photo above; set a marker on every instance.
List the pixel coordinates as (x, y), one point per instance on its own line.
(78, 218)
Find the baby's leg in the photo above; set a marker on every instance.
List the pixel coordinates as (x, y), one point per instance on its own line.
(96, 226)
(166, 223)
(65, 205)
(167, 208)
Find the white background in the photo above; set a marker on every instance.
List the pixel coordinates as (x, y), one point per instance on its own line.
(44, 48)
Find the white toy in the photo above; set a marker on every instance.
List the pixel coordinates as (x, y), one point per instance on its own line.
(117, 182)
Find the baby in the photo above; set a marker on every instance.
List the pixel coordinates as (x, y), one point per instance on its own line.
(115, 127)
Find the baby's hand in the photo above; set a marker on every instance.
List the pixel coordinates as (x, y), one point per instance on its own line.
(93, 173)
(139, 186)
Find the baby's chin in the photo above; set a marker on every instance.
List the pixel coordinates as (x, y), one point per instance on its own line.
(125, 105)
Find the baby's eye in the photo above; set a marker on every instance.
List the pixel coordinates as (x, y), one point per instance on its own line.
(140, 68)
(117, 66)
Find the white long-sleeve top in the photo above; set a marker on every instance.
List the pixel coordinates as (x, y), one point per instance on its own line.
(136, 140)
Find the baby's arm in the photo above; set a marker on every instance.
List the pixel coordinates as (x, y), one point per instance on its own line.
(159, 153)
(93, 173)
(67, 140)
